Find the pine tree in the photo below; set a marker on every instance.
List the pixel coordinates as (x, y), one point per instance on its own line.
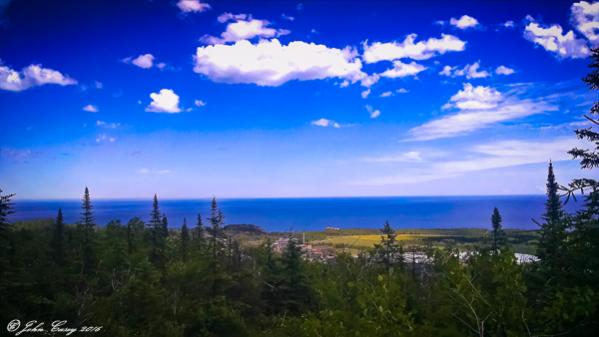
(184, 240)
(57, 242)
(498, 235)
(388, 252)
(135, 228)
(216, 246)
(198, 234)
(216, 222)
(156, 237)
(164, 228)
(552, 243)
(294, 288)
(86, 228)
(5, 211)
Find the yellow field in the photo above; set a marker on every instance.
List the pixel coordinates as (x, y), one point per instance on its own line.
(367, 241)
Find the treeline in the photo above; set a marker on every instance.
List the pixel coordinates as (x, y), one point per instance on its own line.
(142, 279)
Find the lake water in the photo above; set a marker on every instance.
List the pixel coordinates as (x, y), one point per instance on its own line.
(314, 213)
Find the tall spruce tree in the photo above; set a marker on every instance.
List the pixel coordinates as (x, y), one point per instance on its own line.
(388, 252)
(216, 246)
(551, 248)
(184, 240)
(497, 233)
(216, 223)
(198, 234)
(57, 242)
(164, 228)
(86, 228)
(156, 234)
(5, 211)
(294, 288)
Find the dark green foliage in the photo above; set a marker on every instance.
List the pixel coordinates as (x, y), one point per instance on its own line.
(157, 234)
(245, 291)
(184, 240)
(135, 232)
(497, 233)
(5, 210)
(198, 239)
(57, 243)
(388, 252)
(552, 243)
(86, 234)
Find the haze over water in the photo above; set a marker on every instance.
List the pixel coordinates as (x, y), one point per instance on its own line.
(285, 214)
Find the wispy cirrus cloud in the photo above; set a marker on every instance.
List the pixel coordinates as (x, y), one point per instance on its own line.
(477, 107)
(107, 125)
(105, 138)
(17, 155)
(475, 158)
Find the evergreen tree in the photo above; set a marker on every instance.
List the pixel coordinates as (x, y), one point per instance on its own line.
(294, 289)
(388, 252)
(589, 158)
(216, 222)
(552, 243)
(156, 225)
(86, 228)
(498, 235)
(198, 234)
(216, 246)
(164, 228)
(184, 240)
(135, 228)
(57, 242)
(5, 211)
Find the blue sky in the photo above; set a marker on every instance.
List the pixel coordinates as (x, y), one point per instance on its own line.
(285, 98)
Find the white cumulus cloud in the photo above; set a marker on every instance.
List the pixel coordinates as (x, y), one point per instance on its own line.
(90, 108)
(31, 76)
(409, 48)
(325, 123)
(585, 18)
(270, 63)
(401, 69)
(464, 22)
(243, 27)
(374, 113)
(144, 61)
(101, 138)
(503, 70)
(553, 39)
(192, 6)
(164, 101)
(469, 71)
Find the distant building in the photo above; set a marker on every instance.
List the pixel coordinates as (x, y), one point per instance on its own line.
(280, 245)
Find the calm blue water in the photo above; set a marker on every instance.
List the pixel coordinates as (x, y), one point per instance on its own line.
(314, 213)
